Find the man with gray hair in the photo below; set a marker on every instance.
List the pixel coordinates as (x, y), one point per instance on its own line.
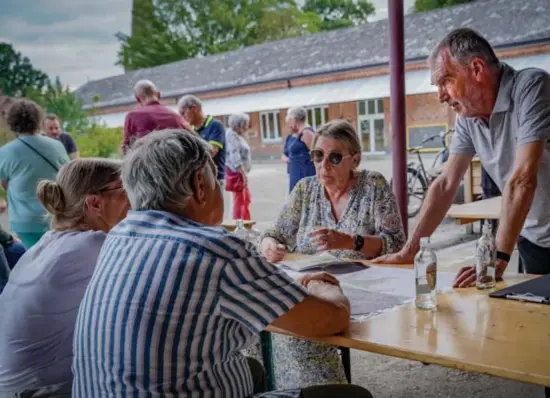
(174, 299)
(150, 116)
(503, 116)
(209, 128)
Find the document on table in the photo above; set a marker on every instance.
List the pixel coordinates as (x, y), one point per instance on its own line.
(323, 262)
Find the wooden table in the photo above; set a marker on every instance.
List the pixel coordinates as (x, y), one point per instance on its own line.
(469, 331)
(487, 209)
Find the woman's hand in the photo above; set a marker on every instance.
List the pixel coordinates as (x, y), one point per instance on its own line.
(329, 239)
(272, 250)
(3, 206)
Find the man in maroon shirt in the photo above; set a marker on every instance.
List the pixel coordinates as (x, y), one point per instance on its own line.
(150, 116)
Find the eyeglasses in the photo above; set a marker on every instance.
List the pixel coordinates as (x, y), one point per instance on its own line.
(111, 189)
(335, 158)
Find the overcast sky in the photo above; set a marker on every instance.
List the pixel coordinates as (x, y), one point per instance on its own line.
(76, 39)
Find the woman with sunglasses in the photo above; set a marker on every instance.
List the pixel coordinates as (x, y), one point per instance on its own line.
(40, 302)
(350, 213)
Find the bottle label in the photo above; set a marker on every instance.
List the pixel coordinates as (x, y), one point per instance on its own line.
(431, 275)
(423, 289)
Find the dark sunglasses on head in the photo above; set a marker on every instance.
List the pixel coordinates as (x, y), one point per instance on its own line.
(335, 158)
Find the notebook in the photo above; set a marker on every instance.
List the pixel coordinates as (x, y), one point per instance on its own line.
(534, 291)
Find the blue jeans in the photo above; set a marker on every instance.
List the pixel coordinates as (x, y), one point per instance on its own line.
(13, 253)
(4, 269)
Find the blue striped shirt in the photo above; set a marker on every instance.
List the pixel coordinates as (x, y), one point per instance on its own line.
(169, 307)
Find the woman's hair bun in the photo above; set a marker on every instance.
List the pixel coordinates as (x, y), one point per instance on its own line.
(51, 196)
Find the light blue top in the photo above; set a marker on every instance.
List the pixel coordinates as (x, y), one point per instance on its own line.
(23, 169)
(38, 309)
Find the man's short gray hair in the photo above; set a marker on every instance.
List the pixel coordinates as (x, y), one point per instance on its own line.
(158, 171)
(465, 44)
(187, 101)
(238, 121)
(299, 114)
(145, 89)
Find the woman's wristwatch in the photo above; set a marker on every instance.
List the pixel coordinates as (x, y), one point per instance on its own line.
(359, 242)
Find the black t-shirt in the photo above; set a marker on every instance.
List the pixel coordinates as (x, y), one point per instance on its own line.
(68, 142)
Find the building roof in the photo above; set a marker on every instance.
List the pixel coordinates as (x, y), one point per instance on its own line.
(502, 22)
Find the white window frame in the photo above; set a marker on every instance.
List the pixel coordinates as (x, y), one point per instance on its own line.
(266, 134)
(371, 118)
(324, 116)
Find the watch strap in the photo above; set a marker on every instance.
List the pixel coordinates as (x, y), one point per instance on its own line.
(503, 256)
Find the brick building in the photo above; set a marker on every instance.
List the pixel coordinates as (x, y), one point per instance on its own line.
(337, 74)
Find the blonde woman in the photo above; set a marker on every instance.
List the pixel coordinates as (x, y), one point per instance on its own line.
(40, 301)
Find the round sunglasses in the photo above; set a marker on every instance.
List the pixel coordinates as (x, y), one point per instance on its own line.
(335, 158)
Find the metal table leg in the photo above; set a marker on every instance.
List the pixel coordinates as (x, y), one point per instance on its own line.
(267, 357)
(346, 362)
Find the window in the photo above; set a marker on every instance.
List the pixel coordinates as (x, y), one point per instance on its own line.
(317, 116)
(370, 122)
(269, 124)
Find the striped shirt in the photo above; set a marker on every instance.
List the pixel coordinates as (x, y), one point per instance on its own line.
(169, 307)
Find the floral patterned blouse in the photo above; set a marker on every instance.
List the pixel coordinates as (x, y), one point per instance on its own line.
(238, 152)
(371, 210)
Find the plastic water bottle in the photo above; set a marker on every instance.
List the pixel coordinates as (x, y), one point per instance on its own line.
(254, 235)
(486, 259)
(240, 230)
(425, 267)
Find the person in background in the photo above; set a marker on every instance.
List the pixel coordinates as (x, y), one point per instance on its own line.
(503, 116)
(52, 128)
(350, 213)
(23, 163)
(40, 302)
(209, 128)
(150, 116)
(238, 162)
(174, 299)
(297, 146)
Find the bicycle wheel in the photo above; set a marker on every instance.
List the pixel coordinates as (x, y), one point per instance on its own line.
(416, 191)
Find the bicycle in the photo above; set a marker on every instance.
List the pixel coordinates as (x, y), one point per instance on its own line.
(418, 178)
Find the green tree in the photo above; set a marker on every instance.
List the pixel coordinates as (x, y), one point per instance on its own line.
(100, 141)
(336, 14)
(60, 100)
(165, 31)
(427, 5)
(17, 75)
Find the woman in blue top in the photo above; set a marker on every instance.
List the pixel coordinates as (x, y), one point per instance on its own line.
(297, 146)
(23, 163)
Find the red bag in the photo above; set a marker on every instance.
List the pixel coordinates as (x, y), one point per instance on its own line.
(234, 181)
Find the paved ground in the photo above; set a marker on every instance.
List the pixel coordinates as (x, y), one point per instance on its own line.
(390, 377)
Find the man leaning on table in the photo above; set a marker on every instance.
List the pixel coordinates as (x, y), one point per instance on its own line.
(503, 115)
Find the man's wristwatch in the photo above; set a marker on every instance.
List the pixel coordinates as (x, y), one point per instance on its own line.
(359, 242)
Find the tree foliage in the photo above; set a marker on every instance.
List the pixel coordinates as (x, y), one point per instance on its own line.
(336, 14)
(165, 31)
(100, 141)
(59, 100)
(427, 5)
(19, 78)
(17, 75)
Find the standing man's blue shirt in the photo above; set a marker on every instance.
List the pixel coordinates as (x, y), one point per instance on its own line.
(23, 168)
(213, 132)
